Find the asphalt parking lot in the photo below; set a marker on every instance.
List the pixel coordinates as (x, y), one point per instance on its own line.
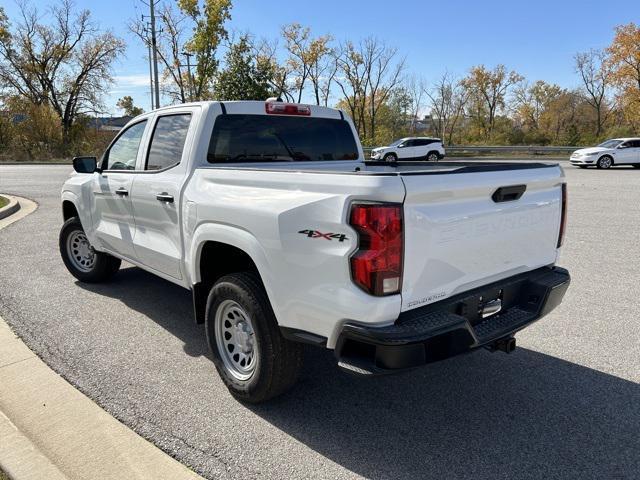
(565, 404)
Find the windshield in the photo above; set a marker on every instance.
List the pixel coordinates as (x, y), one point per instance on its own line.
(267, 138)
(610, 144)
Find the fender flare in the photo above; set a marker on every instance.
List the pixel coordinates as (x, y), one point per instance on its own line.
(69, 196)
(235, 237)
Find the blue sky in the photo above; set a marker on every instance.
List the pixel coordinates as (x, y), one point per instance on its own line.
(536, 38)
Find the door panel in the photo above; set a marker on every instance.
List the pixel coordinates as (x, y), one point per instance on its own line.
(634, 152)
(407, 150)
(113, 220)
(156, 196)
(628, 154)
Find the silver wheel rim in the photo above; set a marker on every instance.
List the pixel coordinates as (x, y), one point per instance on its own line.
(236, 340)
(605, 162)
(432, 157)
(80, 251)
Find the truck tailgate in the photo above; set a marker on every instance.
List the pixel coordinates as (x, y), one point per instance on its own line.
(459, 235)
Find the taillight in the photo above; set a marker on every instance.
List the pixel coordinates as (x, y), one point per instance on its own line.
(280, 108)
(376, 266)
(563, 216)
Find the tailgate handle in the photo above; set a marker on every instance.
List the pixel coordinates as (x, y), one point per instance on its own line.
(508, 194)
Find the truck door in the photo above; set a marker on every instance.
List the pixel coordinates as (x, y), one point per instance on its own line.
(113, 216)
(156, 194)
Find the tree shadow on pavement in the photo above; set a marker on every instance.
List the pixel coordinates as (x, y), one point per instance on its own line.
(480, 416)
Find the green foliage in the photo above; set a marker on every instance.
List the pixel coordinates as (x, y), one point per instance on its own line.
(130, 110)
(243, 78)
(209, 18)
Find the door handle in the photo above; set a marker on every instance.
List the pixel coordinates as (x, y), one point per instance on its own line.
(122, 192)
(164, 197)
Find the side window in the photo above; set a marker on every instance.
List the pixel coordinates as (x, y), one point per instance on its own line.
(167, 141)
(635, 143)
(124, 151)
(410, 143)
(625, 145)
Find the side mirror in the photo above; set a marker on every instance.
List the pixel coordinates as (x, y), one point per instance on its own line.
(401, 145)
(85, 164)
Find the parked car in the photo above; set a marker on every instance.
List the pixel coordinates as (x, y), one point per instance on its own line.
(617, 151)
(410, 148)
(270, 215)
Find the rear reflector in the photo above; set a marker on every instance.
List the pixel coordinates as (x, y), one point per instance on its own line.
(376, 266)
(563, 216)
(279, 108)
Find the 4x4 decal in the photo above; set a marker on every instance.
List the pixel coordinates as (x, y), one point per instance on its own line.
(341, 237)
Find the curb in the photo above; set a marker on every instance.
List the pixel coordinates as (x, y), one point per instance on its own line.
(11, 208)
(50, 430)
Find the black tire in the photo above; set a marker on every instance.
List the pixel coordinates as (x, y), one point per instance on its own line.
(278, 361)
(432, 156)
(390, 157)
(103, 267)
(605, 162)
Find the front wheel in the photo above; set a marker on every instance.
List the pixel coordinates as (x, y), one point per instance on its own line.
(82, 261)
(254, 360)
(390, 157)
(605, 162)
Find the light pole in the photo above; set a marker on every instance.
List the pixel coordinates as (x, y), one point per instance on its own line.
(190, 82)
(150, 68)
(154, 48)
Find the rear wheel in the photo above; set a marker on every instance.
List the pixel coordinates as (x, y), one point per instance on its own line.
(432, 157)
(82, 261)
(605, 162)
(252, 357)
(390, 157)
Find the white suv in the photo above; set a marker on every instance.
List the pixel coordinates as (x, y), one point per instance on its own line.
(410, 148)
(618, 151)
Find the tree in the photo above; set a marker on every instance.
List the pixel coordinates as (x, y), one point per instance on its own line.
(65, 64)
(595, 73)
(448, 99)
(532, 100)
(130, 110)
(297, 43)
(488, 90)
(243, 77)
(322, 68)
(624, 59)
(209, 18)
(368, 74)
(206, 19)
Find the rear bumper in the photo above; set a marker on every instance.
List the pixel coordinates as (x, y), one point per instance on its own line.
(452, 326)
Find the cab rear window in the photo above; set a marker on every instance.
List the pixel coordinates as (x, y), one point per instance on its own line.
(256, 138)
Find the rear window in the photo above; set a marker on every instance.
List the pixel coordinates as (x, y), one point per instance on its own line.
(255, 138)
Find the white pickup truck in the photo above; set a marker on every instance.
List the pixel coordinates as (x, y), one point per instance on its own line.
(269, 213)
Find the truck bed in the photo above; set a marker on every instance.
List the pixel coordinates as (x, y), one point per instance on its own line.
(385, 168)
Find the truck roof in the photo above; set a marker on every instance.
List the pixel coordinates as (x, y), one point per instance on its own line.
(255, 107)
